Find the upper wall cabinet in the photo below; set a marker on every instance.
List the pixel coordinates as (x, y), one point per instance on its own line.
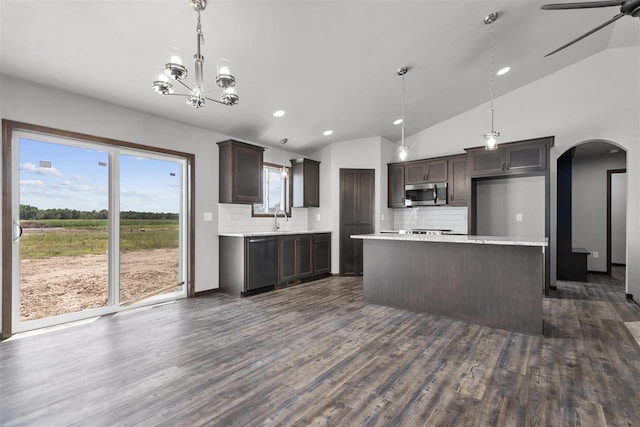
(240, 172)
(511, 158)
(306, 183)
(423, 171)
(458, 181)
(395, 196)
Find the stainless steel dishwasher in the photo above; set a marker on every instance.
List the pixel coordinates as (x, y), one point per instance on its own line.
(262, 263)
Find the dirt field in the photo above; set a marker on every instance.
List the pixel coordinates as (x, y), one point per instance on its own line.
(67, 284)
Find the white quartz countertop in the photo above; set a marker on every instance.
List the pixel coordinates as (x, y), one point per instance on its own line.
(272, 233)
(444, 238)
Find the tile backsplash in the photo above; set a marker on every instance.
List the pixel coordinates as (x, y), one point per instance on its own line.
(435, 217)
(237, 218)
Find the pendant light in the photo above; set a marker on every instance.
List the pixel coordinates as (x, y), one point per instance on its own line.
(491, 137)
(284, 172)
(403, 150)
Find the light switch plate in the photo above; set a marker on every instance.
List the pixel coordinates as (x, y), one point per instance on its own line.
(596, 255)
(519, 217)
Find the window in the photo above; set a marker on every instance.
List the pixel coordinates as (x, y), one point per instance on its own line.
(275, 191)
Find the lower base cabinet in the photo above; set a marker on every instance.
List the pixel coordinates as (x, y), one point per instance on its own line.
(322, 254)
(251, 265)
(295, 253)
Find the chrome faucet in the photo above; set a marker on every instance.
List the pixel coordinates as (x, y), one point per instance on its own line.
(275, 218)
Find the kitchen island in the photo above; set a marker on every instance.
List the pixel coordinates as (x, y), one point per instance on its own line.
(492, 281)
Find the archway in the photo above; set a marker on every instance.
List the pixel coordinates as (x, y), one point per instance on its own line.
(586, 206)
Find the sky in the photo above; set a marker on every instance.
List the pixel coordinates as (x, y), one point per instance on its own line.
(61, 176)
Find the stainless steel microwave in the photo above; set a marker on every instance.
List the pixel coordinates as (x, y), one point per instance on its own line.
(425, 194)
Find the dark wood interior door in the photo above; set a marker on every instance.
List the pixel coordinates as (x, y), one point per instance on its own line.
(357, 195)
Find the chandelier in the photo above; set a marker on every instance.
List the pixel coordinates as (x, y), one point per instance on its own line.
(175, 70)
(491, 137)
(403, 150)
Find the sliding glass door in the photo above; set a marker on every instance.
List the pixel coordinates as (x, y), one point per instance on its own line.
(63, 202)
(95, 228)
(150, 240)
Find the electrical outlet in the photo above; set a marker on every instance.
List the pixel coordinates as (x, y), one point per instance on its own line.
(318, 217)
(519, 217)
(208, 216)
(595, 255)
(381, 217)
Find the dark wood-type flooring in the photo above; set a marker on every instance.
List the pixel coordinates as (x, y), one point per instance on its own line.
(316, 354)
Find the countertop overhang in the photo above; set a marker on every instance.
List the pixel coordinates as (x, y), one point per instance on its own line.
(272, 233)
(482, 240)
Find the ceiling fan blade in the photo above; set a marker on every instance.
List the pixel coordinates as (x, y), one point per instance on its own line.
(599, 27)
(582, 5)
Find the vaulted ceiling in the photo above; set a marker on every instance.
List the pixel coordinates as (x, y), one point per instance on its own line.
(328, 64)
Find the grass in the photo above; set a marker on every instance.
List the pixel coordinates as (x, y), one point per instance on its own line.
(89, 237)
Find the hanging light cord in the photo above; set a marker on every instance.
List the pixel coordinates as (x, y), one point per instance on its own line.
(491, 73)
(402, 110)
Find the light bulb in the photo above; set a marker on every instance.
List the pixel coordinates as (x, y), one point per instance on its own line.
(491, 140)
(224, 67)
(403, 152)
(175, 56)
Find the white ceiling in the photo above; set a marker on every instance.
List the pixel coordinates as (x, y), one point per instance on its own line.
(328, 64)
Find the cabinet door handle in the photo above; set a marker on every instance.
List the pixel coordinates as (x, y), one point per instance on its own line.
(503, 165)
(508, 165)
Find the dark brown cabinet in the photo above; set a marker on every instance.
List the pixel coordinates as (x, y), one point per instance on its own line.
(249, 265)
(526, 156)
(395, 196)
(357, 195)
(306, 183)
(240, 172)
(425, 171)
(511, 158)
(296, 257)
(458, 182)
(321, 254)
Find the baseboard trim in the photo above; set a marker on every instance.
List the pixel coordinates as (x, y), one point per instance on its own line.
(604, 273)
(207, 292)
(618, 265)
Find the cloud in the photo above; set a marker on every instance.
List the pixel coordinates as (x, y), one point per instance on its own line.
(36, 183)
(79, 178)
(66, 183)
(30, 167)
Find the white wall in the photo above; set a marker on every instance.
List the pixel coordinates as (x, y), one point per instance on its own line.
(499, 201)
(618, 218)
(597, 98)
(366, 153)
(40, 105)
(589, 204)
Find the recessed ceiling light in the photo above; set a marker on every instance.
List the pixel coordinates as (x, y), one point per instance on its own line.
(503, 71)
(278, 113)
(397, 121)
(327, 132)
